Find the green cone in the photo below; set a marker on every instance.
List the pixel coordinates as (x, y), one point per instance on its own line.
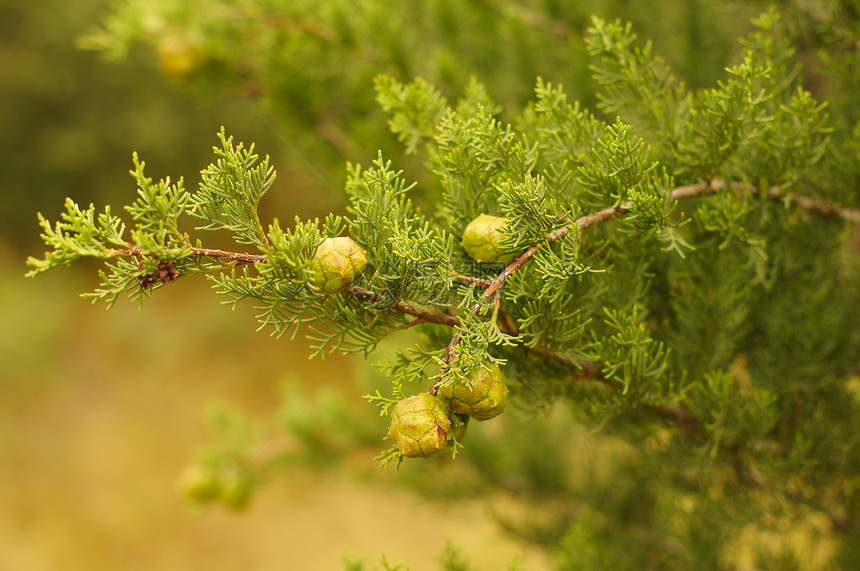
(199, 483)
(419, 425)
(236, 488)
(337, 263)
(482, 239)
(486, 397)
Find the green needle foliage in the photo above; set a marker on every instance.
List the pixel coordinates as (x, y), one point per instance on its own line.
(685, 280)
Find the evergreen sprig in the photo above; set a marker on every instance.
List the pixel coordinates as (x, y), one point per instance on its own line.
(415, 109)
(630, 356)
(676, 266)
(636, 85)
(231, 190)
(617, 164)
(78, 233)
(471, 154)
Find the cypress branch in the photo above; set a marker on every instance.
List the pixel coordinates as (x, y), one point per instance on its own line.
(492, 287)
(680, 275)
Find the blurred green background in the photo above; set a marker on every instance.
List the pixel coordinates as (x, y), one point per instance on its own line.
(100, 411)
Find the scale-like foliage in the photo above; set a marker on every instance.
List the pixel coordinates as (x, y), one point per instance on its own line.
(230, 192)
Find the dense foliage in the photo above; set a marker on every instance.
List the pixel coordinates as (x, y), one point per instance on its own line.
(678, 268)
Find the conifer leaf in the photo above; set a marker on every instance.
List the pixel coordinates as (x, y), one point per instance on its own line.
(415, 109)
(636, 85)
(230, 192)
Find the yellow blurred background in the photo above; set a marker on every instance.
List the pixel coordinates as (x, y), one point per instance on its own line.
(100, 412)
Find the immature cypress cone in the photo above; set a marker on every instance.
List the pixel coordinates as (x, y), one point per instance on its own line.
(419, 425)
(482, 239)
(486, 397)
(236, 487)
(199, 483)
(337, 264)
(180, 56)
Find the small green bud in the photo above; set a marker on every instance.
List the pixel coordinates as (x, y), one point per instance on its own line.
(199, 483)
(419, 425)
(180, 56)
(482, 239)
(337, 263)
(486, 397)
(236, 488)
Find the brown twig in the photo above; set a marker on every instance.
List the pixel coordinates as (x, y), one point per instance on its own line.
(815, 207)
(585, 369)
(422, 316)
(472, 280)
(594, 218)
(775, 192)
(238, 257)
(494, 286)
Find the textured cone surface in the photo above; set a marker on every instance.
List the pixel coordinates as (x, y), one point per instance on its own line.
(486, 397)
(337, 263)
(419, 425)
(482, 239)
